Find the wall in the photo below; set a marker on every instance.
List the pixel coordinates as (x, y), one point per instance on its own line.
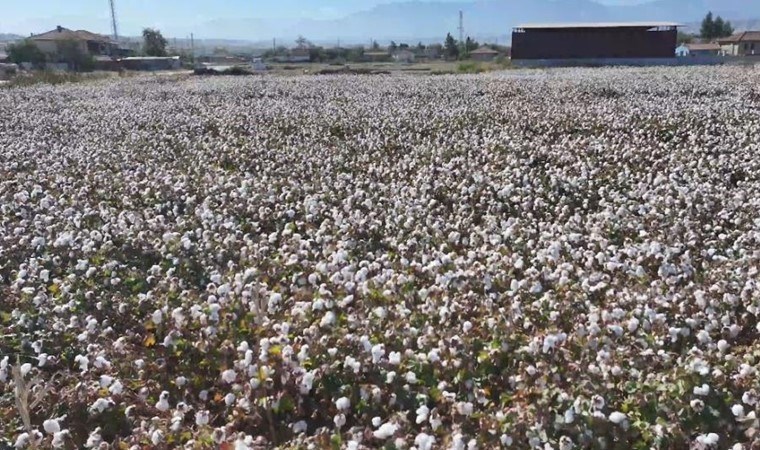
(638, 62)
(593, 43)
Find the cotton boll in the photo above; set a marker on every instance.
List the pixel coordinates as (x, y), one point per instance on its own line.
(343, 403)
(617, 418)
(51, 426)
(163, 402)
(385, 431)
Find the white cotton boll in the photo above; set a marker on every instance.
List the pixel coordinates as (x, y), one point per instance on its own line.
(300, 427)
(569, 416)
(633, 324)
(339, 420)
(105, 381)
(424, 441)
(328, 320)
(465, 408)
(422, 414)
(307, 382)
(394, 358)
(116, 388)
(618, 418)
(163, 402)
(697, 405)
(51, 426)
(343, 403)
(737, 411)
(229, 376)
(22, 440)
(750, 397)
(385, 431)
(702, 391)
(378, 351)
(376, 422)
(59, 439)
(723, 346)
(565, 443)
(709, 440)
(25, 369)
(157, 317)
(467, 326)
(229, 399)
(157, 437)
(505, 440)
(411, 377)
(201, 418)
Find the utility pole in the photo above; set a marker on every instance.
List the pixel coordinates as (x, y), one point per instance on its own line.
(274, 45)
(192, 48)
(114, 25)
(461, 28)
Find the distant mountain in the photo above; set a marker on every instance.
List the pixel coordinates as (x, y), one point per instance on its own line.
(5, 37)
(415, 20)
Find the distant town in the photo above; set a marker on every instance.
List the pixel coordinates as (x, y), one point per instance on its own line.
(532, 45)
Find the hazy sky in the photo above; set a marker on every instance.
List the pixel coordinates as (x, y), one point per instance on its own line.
(174, 17)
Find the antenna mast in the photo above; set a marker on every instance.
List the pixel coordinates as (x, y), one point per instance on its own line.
(461, 28)
(114, 25)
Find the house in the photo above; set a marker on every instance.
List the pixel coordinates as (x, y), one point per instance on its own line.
(404, 56)
(746, 43)
(709, 49)
(699, 49)
(376, 56)
(88, 43)
(484, 53)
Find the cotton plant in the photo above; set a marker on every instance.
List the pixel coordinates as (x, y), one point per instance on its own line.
(400, 260)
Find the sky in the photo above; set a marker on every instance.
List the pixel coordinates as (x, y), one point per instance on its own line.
(173, 17)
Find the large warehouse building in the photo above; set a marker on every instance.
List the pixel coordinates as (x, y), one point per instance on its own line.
(594, 41)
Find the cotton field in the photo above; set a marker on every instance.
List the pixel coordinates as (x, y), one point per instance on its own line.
(545, 260)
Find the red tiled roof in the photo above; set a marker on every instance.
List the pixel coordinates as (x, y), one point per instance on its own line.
(703, 47)
(62, 34)
(745, 36)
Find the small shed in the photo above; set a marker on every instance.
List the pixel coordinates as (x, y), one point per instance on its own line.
(707, 49)
(376, 56)
(151, 63)
(484, 53)
(404, 56)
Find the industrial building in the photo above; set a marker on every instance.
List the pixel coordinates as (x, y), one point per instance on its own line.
(595, 41)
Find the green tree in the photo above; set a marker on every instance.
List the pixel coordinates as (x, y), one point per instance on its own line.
(154, 43)
(723, 28)
(713, 28)
(469, 45)
(26, 52)
(393, 47)
(420, 47)
(708, 26)
(450, 47)
(375, 45)
(302, 42)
